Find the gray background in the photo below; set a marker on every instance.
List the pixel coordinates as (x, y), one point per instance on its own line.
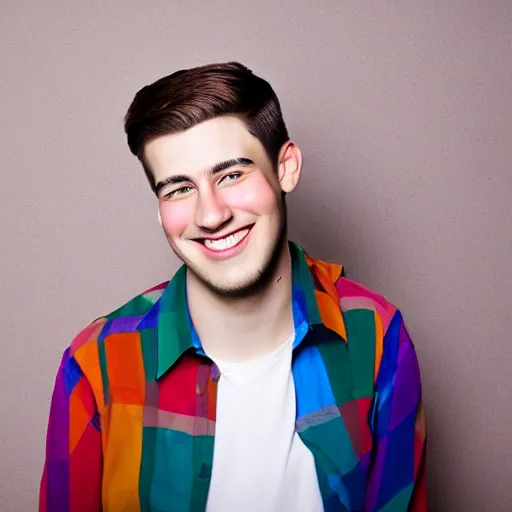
(403, 111)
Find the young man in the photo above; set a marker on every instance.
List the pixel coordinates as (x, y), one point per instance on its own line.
(258, 378)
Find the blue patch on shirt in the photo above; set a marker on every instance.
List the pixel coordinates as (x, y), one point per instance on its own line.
(150, 320)
(313, 389)
(398, 469)
(72, 374)
(95, 421)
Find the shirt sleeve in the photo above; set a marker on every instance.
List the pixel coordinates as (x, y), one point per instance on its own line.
(397, 478)
(71, 480)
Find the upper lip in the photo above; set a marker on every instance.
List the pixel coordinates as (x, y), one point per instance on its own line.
(223, 236)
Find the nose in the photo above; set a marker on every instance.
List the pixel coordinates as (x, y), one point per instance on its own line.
(212, 212)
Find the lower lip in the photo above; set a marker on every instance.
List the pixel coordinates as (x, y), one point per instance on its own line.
(227, 253)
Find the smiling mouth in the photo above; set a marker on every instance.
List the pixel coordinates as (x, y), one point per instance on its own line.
(229, 241)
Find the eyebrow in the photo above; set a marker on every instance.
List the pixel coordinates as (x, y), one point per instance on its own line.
(219, 167)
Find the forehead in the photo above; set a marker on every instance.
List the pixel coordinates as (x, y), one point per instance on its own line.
(201, 147)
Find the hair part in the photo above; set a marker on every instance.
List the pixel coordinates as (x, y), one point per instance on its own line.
(188, 97)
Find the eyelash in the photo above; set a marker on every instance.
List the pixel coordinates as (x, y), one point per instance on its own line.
(184, 190)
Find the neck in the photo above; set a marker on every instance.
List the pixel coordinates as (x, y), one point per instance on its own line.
(241, 329)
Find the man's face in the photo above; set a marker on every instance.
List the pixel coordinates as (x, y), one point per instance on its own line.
(220, 203)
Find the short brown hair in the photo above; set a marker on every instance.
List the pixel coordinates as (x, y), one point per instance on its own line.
(188, 97)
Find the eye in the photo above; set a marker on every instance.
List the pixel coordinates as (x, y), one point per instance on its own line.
(178, 192)
(232, 176)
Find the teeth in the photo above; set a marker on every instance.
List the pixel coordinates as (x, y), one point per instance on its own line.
(226, 243)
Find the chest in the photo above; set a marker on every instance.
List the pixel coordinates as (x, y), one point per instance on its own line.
(159, 456)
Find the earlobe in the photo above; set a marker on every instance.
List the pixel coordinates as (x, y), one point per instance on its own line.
(290, 165)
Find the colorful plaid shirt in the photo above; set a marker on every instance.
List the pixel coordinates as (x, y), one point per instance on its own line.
(132, 418)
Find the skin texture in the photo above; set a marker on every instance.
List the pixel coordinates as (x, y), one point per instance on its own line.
(228, 291)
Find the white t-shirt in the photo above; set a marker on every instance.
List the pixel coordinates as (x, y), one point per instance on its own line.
(259, 462)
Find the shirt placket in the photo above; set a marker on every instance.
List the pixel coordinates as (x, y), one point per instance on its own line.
(208, 375)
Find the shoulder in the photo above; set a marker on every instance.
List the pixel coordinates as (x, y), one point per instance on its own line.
(356, 296)
(352, 295)
(84, 362)
(127, 315)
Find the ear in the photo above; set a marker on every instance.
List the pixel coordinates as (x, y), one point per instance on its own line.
(289, 165)
(159, 218)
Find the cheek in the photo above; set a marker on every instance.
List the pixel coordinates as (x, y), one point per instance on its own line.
(255, 195)
(175, 218)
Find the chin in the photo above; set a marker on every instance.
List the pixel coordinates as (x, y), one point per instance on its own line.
(244, 282)
(242, 285)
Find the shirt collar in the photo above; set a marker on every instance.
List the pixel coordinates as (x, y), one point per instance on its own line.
(315, 303)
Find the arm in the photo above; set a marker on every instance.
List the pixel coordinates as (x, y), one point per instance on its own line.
(71, 479)
(397, 479)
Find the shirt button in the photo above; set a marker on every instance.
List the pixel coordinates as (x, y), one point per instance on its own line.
(205, 471)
